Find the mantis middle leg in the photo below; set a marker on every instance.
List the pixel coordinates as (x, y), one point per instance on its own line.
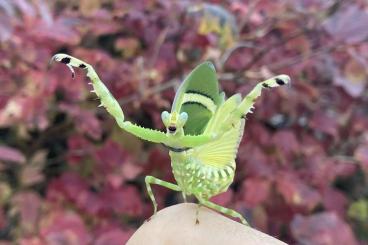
(153, 180)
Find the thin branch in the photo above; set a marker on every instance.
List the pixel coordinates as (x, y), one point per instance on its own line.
(155, 89)
(159, 42)
(251, 8)
(300, 58)
(230, 51)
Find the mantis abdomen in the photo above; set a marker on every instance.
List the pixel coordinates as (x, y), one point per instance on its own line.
(198, 178)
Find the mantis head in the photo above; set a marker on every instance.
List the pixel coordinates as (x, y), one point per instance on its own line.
(174, 122)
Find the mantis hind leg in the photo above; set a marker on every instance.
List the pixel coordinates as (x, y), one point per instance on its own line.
(152, 180)
(197, 213)
(223, 210)
(184, 197)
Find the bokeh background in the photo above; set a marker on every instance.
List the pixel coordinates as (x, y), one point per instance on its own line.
(69, 175)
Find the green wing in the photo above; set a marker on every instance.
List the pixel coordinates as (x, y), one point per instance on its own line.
(198, 96)
(221, 152)
(222, 114)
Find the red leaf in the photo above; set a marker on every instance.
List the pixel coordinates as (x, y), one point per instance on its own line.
(257, 163)
(258, 133)
(3, 221)
(67, 187)
(42, 30)
(113, 237)
(11, 154)
(353, 79)
(125, 200)
(287, 142)
(93, 204)
(31, 241)
(260, 218)
(361, 154)
(334, 200)
(115, 162)
(325, 123)
(296, 192)
(6, 28)
(255, 191)
(224, 198)
(322, 229)
(348, 25)
(28, 205)
(158, 161)
(79, 147)
(64, 227)
(85, 120)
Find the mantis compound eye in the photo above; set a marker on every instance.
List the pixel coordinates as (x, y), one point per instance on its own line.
(165, 116)
(183, 117)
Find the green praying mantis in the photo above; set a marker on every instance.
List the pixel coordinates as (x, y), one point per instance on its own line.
(203, 131)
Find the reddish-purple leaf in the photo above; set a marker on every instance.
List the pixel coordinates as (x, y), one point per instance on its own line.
(6, 28)
(334, 200)
(10, 154)
(112, 237)
(28, 206)
(348, 24)
(287, 143)
(353, 78)
(85, 120)
(64, 227)
(3, 221)
(296, 192)
(125, 200)
(115, 163)
(67, 187)
(255, 191)
(31, 241)
(325, 123)
(79, 147)
(224, 199)
(256, 162)
(361, 154)
(322, 229)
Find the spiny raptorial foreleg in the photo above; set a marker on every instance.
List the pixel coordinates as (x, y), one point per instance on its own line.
(107, 100)
(246, 106)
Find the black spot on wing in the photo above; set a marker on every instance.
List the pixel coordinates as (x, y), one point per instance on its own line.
(82, 66)
(265, 85)
(195, 103)
(279, 81)
(65, 60)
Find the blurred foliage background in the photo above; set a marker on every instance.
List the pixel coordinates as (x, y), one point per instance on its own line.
(70, 176)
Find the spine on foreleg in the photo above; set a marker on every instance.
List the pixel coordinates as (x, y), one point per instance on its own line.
(247, 105)
(107, 100)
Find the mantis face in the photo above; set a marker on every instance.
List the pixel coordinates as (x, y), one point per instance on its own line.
(174, 122)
